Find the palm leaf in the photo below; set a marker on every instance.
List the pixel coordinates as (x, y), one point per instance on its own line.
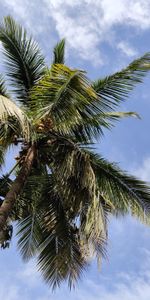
(23, 59)
(72, 171)
(30, 201)
(66, 97)
(120, 114)
(75, 180)
(3, 90)
(60, 257)
(124, 193)
(14, 118)
(30, 232)
(59, 51)
(2, 155)
(92, 126)
(28, 211)
(47, 232)
(115, 88)
(93, 228)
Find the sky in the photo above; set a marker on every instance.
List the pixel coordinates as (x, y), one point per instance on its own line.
(102, 37)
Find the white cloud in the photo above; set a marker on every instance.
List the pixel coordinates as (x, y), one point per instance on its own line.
(11, 294)
(143, 171)
(126, 12)
(21, 281)
(16, 5)
(28, 12)
(29, 274)
(85, 24)
(127, 286)
(134, 288)
(126, 49)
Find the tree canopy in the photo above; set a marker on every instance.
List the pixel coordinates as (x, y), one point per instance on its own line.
(62, 192)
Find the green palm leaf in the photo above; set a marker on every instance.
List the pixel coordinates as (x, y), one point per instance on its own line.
(23, 59)
(28, 211)
(59, 52)
(126, 194)
(75, 179)
(62, 90)
(60, 257)
(115, 88)
(30, 232)
(92, 126)
(67, 98)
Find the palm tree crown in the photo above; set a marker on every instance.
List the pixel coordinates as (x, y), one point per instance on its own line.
(62, 193)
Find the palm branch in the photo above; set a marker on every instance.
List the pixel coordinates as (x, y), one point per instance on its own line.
(59, 52)
(125, 193)
(24, 62)
(113, 89)
(3, 90)
(69, 101)
(13, 120)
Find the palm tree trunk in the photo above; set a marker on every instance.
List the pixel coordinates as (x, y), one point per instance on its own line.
(16, 187)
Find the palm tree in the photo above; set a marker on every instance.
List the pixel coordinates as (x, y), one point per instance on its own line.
(61, 193)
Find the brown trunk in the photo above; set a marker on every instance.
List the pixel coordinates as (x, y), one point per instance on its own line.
(16, 187)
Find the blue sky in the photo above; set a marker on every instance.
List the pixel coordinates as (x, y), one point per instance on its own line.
(102, 36)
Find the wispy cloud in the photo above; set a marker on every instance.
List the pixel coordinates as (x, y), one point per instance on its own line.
(128, 286)
(86, 25)
(143, 171)
(127, 49)
(129, 12)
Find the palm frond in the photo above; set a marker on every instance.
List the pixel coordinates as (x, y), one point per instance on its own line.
(47, 233)
(60, 257)
(120, 114)
(28, 211)
(72, 171)
(115, 88)
(59, 52)
(92, 126)
(30, 232)
(35, 190)
(2, 155)
(45, 227)
(3, 90)
(124, 193)
(75, 180)
(93, 228)
(12, 118)
(24, 61)
(68, 100)
(64, 96)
